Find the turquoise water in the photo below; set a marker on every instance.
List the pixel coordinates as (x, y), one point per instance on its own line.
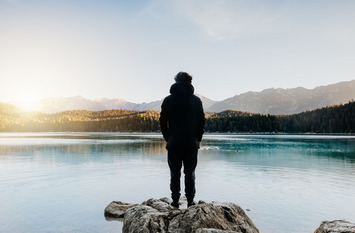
(61, 182)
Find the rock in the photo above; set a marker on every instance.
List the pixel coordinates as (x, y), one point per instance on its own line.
(223, 216)
(117, 209)
(157, 215)
(336, 226)
(209, 230)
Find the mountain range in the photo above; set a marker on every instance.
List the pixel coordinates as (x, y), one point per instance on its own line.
(275, 101)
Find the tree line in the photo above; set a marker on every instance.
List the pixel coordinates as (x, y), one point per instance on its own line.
(335, 119)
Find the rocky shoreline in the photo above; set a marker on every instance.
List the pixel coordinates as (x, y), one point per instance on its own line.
(157, 215)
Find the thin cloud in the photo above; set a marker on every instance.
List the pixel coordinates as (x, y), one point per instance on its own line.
(235, 19)
(226, 20)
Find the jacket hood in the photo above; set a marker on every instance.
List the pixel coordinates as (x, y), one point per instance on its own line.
(182, 88)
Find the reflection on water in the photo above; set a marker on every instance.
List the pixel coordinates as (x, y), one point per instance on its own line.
(61, 182)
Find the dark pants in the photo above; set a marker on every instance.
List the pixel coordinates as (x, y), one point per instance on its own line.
(177, 157)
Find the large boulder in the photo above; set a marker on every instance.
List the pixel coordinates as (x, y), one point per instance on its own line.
(336, 226)
(157, 215)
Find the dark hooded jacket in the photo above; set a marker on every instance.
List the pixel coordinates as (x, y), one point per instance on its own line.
(182, 118)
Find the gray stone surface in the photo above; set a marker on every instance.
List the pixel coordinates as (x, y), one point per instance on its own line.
(209, 230)
(336, 226)
(157, 215)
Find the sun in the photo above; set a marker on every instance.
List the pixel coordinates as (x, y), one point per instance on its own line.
(27, 102)
(27, 106)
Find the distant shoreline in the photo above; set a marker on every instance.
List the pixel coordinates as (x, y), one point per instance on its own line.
(41, 133)
(329, 120)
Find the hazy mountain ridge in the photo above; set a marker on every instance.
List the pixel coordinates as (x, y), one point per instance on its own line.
(288, 101)
(269, 101)
(60, 104)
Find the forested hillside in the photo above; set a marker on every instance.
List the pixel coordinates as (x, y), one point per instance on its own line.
(335, 119)
(236, 121)
(80, 121)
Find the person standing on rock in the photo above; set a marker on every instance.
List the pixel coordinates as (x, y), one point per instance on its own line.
(182, 123)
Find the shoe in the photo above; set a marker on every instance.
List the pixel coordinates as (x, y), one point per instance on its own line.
(190, 203)
(175, 204)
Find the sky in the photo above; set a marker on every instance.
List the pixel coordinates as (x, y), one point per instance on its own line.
(133, 49)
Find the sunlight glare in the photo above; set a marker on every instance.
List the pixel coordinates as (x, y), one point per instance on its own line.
(27, 102)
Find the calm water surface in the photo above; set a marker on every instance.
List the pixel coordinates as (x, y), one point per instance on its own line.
(61, 182)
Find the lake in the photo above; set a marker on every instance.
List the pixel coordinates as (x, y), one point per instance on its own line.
(62, 182)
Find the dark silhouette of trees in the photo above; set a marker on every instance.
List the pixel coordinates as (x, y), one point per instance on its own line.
(335, 119)
(236, 121)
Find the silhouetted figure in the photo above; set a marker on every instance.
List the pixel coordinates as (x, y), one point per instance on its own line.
(182, 123)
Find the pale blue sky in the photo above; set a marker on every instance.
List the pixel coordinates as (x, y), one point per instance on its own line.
(133, 49)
